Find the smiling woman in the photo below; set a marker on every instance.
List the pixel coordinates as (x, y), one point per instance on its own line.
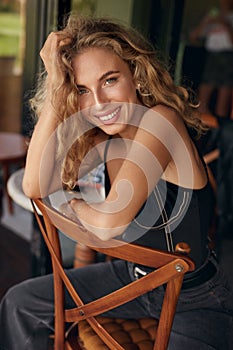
(107, 98)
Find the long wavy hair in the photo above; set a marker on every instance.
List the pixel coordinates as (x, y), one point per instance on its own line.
(145, 64)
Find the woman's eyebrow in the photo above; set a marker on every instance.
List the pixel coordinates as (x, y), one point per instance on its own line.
(79, 86)
(105, 75)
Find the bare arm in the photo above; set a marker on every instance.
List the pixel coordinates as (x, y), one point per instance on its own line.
(44, 128)
(43, 171)
(149, 155)
(35, 167)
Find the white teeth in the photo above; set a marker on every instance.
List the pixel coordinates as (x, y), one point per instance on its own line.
(110, 116)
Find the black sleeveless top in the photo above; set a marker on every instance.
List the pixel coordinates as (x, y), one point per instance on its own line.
(171, 214)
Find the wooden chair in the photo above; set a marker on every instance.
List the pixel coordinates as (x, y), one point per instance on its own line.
(210, 120)
(96, 332)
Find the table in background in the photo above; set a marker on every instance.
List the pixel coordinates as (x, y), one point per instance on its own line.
(13, 150)
(73, 254)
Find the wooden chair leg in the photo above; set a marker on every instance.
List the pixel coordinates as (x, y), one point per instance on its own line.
(6, 175)
(83, 255)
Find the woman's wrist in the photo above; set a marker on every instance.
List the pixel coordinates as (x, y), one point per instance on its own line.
(77, 204)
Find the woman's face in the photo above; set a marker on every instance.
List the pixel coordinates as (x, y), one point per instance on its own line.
(107, 90)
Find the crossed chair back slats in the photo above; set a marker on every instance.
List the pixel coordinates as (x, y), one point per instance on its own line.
(169, 269)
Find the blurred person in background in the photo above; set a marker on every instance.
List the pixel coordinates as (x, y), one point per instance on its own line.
(216, 30)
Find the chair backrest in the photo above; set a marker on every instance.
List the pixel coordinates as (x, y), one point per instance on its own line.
(169, 269)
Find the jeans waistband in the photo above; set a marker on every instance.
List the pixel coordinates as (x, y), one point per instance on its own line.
(196, 279)
(201, 276)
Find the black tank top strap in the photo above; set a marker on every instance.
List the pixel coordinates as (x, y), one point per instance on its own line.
(107, 183)
(106, 148)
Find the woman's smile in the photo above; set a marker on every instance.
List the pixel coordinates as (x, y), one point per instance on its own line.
(110, 117)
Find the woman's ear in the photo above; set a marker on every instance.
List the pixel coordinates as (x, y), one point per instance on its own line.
(137, 85)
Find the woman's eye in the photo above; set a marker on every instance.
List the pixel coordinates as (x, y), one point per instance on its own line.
(110, 81)
(82, 91)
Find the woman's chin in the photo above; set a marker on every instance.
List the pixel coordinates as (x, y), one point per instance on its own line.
(112, 129)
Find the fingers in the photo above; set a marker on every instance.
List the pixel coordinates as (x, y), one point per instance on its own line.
(67, 211)
(50, 46)
(54, 41)
(50, 55)
(77, 204)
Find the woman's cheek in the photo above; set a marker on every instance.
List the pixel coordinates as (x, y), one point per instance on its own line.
(88, 116)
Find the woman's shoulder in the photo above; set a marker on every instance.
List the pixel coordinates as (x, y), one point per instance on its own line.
(167, 112)
(160, 129)
(164, 117)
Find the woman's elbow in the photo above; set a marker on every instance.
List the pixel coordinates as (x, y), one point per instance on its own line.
(30, 190)
(106, 228)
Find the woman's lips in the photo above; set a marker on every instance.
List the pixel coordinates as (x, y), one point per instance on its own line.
(109, 117)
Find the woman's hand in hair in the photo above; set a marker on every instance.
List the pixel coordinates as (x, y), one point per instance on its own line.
(51, 58)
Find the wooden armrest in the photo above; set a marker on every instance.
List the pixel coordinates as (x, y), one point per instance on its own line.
(211, 156)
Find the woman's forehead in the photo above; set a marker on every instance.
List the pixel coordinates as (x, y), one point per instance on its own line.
(97, 57)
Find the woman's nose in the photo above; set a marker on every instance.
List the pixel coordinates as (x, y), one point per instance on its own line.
(99, 99)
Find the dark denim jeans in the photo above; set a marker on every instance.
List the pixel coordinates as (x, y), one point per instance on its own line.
(204, 317)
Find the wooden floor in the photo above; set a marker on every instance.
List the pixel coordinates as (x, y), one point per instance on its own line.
(14, 259)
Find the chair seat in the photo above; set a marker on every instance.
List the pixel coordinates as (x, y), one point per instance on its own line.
(131, 334)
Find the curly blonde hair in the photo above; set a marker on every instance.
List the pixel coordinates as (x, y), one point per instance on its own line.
(156, 84)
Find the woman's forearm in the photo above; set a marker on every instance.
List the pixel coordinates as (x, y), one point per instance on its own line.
(40, 166)
(41, 173)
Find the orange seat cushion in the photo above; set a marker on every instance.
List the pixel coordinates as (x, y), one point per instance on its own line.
(131, 334)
